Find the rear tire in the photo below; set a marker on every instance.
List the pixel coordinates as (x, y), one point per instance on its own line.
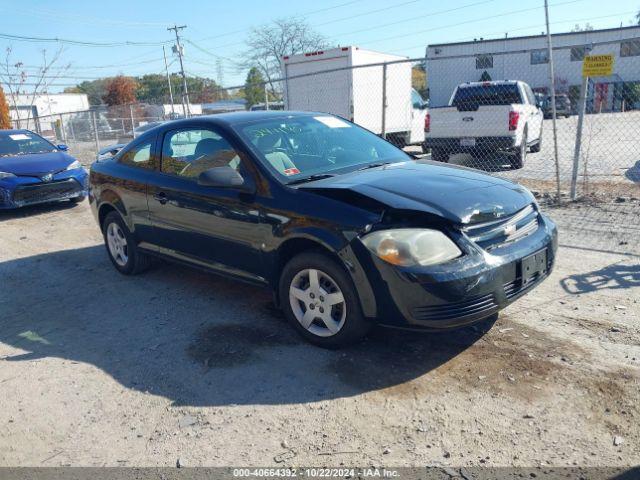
(122, 248)
(439, 154)
(517, 161)
(536, 148)
(319, 300)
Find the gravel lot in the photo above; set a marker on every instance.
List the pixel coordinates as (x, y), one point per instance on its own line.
(100, 369)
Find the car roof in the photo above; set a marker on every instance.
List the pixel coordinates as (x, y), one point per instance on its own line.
(226, 119)
(490, 82)
(16, 130)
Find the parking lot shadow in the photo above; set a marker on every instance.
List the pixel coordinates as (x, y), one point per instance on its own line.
(34, 210)
(615, 276)
(194, 338)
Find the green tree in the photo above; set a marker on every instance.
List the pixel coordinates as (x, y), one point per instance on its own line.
(254, 87)
(5, 119)
(94, 89)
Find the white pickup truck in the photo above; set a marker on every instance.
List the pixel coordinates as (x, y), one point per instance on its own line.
(483, 118)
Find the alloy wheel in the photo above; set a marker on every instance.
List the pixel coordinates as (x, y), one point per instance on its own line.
(317, 302)
(117, 243)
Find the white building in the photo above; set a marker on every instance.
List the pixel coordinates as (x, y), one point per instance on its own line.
(526, 58)
(25, 107)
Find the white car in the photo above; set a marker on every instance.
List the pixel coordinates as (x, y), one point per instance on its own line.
(483, 118)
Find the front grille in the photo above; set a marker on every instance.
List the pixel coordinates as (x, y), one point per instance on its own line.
(497, 233)
(511, 289)
(473, 306)
(44, 192)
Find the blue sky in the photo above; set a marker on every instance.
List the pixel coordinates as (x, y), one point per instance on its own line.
(220, 27)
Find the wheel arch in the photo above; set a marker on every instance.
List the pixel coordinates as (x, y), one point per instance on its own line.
(110, 202)
(342, 254)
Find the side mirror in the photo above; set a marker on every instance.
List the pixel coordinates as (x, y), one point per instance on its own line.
(62, 147)
(221, 177)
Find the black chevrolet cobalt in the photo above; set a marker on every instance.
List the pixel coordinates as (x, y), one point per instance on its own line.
(343, 227)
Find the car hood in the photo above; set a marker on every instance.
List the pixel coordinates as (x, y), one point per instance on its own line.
(35, 164)
(459, 194)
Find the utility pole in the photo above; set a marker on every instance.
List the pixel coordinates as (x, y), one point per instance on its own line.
(178, 50)
(166, 67)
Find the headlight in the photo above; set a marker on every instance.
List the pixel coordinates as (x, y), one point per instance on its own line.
(411, 246)
(6, 175)
(75, 164)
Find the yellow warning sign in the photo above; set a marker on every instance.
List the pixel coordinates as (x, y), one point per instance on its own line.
(597, 66)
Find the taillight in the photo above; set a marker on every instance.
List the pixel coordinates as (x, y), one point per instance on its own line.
(427, 122)
(513, 120)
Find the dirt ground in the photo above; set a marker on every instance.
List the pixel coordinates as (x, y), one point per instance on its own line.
(100, 369)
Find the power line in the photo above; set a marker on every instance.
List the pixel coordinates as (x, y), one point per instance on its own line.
(304, 14)
(84, 43)
(73, 18)
(475, 20)
(559, 22)
(431, 14)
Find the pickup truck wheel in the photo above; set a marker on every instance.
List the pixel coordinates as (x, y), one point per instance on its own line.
(517, 161)
(320, 301)
(536, 148)
(121, 246)
(439, 155)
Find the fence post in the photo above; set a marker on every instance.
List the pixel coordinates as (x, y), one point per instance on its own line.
(553, 99)
(384, 101)
(576, 154)
(62, 132)
(95, 130)
(131, 115)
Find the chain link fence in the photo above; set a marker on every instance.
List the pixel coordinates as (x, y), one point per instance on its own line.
(492, 112)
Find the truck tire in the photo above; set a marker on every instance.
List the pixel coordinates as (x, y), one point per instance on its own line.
(536, 148)
(439, 154)
(517, 161)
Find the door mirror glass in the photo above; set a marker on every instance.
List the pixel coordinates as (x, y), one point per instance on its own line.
(221, 177)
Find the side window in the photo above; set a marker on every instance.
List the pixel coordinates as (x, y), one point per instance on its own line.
(139, 156)
(530, 96)
(189, 152)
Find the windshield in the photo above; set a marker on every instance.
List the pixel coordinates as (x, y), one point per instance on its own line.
(23, 143)
(469, 98)
(298, 147)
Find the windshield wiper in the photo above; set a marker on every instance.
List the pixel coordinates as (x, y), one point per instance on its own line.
(373, 165)
(311, 178)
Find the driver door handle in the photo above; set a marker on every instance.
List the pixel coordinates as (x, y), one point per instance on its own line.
(161, 197)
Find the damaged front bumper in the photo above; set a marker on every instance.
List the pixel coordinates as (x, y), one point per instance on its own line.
(462, 291)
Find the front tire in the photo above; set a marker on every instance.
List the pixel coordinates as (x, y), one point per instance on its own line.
(318, 298)
(121, 246)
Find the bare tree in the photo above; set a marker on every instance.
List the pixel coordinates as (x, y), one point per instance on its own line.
(21, 83)
(268, 43)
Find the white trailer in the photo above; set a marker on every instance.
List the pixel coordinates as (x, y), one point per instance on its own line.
(335, 81)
